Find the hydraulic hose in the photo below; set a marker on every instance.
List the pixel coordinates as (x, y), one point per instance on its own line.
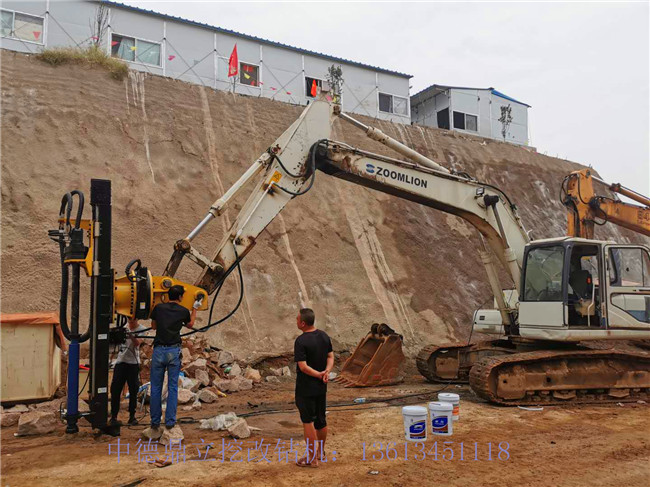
(311, 170)
(72, 330)
(63, 302)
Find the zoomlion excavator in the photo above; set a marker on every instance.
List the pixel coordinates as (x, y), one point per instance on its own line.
(567, 290)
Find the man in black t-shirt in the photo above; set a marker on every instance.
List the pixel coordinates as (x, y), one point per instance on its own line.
(314, 361)
(167, 319)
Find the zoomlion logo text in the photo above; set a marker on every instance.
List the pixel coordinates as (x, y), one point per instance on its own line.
(396, 175)
(417, 430)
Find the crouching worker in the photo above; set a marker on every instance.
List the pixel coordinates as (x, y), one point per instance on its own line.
(127, 371)
(167, 319)
(314, 361)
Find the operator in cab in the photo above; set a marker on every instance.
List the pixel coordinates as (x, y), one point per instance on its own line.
(167, 319)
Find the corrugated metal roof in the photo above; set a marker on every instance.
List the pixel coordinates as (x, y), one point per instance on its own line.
(253, 38)
(498, 93)
(437, 88)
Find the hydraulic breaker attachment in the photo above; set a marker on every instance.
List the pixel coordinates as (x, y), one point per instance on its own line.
(378, 360)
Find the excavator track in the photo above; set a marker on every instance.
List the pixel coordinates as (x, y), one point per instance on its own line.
(453, 362)
(560, 377)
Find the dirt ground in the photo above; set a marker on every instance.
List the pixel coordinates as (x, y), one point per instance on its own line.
(558, 446)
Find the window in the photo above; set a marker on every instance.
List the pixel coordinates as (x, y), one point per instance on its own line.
(248, 74)
(7, 23)
(543, 274)
(309, 86)
(393, 104)
(385, 103)
(471, 123)
(629, 267)
(22, 26)
(459, 120)
(135, 50)
(443, 119)
(399, 105)
(465, 121)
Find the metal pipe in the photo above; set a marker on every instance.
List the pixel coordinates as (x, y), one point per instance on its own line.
(220, 205)
(200, 226)
(72, 413)
(397, 146)
(617, 188)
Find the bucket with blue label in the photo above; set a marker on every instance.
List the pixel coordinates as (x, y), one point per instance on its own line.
(415, 423)
(441, 418)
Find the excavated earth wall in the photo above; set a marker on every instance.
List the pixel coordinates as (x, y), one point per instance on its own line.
(172, 148)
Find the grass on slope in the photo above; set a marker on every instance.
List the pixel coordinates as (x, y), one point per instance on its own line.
(92, 56)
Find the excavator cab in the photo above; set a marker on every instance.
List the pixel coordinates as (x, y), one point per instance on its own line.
(566, 296)
(376, 361)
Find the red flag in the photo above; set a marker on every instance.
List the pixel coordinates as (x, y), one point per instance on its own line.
(233, 63)
(314, 89)
(37, 34)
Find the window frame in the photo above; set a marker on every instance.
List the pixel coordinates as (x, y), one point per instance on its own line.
(13, 27)
(614, 269)
(392, 104)
(135, 57)
(307, 92)
(566, 251)
(465, 114)
(257, 81)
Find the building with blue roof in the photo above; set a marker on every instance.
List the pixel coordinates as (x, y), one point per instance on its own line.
(477, 111)
(199, 53)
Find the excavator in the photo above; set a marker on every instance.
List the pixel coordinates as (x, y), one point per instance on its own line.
(567, 290)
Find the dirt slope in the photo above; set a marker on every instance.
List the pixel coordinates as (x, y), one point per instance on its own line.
(171, 148)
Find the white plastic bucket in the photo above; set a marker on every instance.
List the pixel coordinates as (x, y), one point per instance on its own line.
(454, 399)
(441, 418)
(415, 423)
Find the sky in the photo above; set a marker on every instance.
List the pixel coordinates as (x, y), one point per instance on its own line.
(584, 67)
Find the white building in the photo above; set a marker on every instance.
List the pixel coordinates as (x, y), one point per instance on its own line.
(198, 53)
(472, 110)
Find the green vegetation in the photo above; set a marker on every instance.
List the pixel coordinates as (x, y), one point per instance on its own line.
(92, 56)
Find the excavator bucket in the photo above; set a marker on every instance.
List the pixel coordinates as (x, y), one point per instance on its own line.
(377, 361)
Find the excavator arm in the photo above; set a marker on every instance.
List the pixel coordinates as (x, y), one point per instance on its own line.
(287, 170)
(587, 209)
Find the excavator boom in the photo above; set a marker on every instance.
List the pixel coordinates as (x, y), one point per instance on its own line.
(587, 209)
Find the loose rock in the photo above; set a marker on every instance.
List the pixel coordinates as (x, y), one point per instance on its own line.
(224, 357)
(286, 371)
(199, 363)
(18, 408)
(242, 383)
(175, 434)
(185, 396)
(277, 372)
(225, 385)
(36, 423)
(253, 374)
(202, 376)
(235, 371)
(186, 356)
(9, 419)
(206, 395)
(153, 433)
(240, 429)
(271, 378)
